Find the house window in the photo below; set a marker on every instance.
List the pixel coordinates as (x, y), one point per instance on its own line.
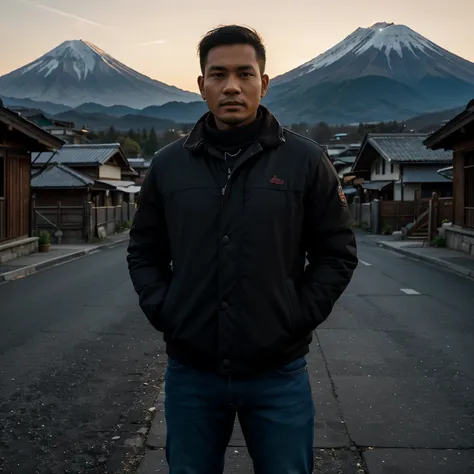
(377, 166)
(2, 177)
(469, 189)
(392, 168)
(383, 166)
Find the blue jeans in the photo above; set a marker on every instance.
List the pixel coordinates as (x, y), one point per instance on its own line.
(275, 410)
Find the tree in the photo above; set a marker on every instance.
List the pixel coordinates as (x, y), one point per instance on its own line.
(111, 136)
(321, 133)
(151, 145)
(131, 133)
(131, 148)
(169, 137)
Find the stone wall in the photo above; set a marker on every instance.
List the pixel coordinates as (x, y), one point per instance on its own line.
(18, 248)
(460, 238)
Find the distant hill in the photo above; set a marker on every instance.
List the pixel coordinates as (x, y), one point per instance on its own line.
(100, 121)
(432, 121)
(177, 111)
(113, 110)
(46, 107)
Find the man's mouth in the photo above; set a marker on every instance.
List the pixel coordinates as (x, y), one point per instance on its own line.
(232, 104)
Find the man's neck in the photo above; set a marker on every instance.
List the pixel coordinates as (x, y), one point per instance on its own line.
(236, 137)
(222, 126)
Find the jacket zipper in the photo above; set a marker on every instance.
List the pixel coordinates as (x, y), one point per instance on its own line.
(229, 172)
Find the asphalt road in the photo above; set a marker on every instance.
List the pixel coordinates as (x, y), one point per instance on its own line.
(394, 378)
(79, 366)
(399, 350)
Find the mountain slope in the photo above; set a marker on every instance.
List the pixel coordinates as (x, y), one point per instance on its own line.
(383, 72)
(77, 72)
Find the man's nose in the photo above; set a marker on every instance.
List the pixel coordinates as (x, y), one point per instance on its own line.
(232, 85)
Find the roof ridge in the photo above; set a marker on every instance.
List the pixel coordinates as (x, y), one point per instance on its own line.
(397, 135)
(75, 174)
(92, 145)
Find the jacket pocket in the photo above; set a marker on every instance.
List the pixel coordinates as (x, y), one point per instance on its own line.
(167, 310)
(293, 368)
(296, 312)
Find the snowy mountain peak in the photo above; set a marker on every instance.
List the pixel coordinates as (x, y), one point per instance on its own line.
(396, 38)
(76, 56)
(81, 54)
(380, 26)
(77, 71)
(386, 37)
(381, 72)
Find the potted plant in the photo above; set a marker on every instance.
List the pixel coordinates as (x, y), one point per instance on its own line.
(44, 243)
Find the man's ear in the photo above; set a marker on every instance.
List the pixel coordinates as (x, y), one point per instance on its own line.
(200, 81)
(265, 84)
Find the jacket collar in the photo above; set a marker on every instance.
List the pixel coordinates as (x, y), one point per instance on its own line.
(272, 135)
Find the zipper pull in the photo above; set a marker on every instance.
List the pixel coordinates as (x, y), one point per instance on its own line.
(223, 189)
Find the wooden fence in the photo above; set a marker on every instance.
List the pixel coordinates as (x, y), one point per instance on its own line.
(390, 216)
(396, 214)
(79, 224)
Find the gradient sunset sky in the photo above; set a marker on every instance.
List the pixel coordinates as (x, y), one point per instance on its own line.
(159, 38)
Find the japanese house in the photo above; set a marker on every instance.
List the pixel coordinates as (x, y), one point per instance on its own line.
(398, 167)
(18, 139)
(457, 137)
(104, 164)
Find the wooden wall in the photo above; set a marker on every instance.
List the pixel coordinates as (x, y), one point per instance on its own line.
(16, 203)
(458, 187)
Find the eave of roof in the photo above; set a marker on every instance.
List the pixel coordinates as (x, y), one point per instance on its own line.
(31, 130)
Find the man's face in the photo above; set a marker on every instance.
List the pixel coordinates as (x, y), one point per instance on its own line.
(232, 85)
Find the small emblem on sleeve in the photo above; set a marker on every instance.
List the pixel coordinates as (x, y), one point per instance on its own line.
(341, 196)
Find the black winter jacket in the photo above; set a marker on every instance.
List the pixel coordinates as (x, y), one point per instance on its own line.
(237, 298)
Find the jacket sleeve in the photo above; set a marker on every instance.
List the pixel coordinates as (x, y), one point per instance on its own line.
(149, 254)
(330, 244)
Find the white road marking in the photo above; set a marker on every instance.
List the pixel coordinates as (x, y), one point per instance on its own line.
(409, 291)
(367, 264)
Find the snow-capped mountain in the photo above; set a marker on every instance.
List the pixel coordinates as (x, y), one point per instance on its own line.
(77, 72)
(383, 72)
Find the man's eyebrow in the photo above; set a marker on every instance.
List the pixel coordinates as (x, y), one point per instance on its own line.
(244, 67)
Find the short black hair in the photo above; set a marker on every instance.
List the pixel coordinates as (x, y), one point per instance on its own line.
(229, 35)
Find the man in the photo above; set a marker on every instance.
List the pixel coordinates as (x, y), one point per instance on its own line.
(236, 206)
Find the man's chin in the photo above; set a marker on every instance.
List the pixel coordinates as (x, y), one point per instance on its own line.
(233, 118)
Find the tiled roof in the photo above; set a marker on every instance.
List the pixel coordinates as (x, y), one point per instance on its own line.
(60, 176)
(79, 154)
(406, 148)
(398, 148)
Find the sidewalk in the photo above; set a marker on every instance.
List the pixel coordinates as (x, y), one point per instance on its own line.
(373, 414)
(333, 447)
(457, 262)
(29, 264)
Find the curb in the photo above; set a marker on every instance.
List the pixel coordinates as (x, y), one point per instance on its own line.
(30, 269)
(430, 260)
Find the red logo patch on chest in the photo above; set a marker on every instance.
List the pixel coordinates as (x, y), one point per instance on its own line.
(276, 180)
